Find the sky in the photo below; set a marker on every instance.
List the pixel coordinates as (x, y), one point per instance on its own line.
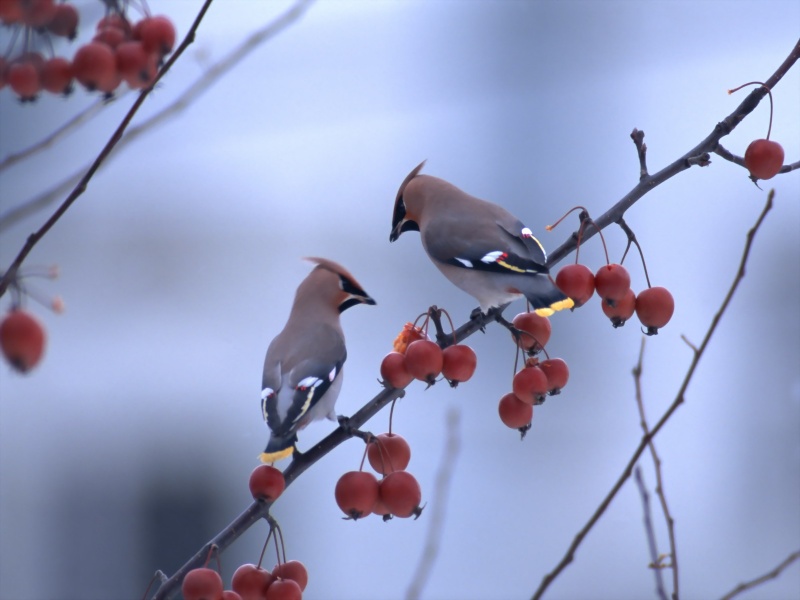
(131, 444)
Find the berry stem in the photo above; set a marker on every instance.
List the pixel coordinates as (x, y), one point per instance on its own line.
(391, 414)
(272, 522)
(633, 240)
(769, 92)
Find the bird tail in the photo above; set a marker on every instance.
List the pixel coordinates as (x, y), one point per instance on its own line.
(544, 296)
(278, 447)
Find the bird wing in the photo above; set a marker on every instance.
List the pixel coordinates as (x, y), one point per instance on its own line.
(505, 246)
(293, 386)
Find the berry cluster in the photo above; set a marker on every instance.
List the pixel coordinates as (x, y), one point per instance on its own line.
(653, 306)
(416, 356)
(286, 581)
(536, 379)
(121, 50)
(397, 494)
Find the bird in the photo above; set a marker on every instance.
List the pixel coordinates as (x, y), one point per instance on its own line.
(303, 366)
(479, 246)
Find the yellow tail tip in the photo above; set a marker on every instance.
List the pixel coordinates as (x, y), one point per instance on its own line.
(556, 306)
(271, 457)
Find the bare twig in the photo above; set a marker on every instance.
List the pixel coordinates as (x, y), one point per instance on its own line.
(82, 117)
(679, 399)
(205, 81)
(651, 534)
(748, 585)
(438, 510)
(694, 156)
(34, 238)
(730, 156)
(641, 149)
(637, 378)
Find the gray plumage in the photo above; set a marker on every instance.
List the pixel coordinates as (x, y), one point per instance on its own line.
(302, 373)
(479, 246)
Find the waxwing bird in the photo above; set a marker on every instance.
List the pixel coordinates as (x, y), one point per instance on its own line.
(479, 246)
(303, 367)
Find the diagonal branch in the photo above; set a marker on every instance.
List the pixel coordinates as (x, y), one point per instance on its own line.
(749, 585)
(679, 398)
(697, 155)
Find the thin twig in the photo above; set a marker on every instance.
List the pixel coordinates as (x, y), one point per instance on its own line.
(82, 117)
(205, 81)
(679, 399)
(651, 534)
(748, 585)
(641, 149)
(637, 378)
(444, 477)
(738, 160)
(34, 238)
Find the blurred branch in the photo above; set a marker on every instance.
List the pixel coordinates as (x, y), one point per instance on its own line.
(697, 155)
(679, 399)
(748, 585)
(651, 534)
(205, 81)
(637, 378)
(444, 477)
(76, 121)
(11, 273)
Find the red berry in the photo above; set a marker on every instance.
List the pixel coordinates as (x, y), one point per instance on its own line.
(763, 158)
(536, 331)
(515, 413)
(401, 494)
(117, 21)
(424, 360)
(95, 67)
(202, 584)
(10, 11)
(294, 570)
(23, 78)
(230, 595)
(389, 452)
(356, 493)
(56, 75)
(458, 363)
(654, 307)
(266, 483)
(577, 282)
(394, 372)
(612, 282)
(110, 36)
(64, 21)
(137, 67)
(557, 374)
(22, 340)
(530, 385)
(622, 309)
(251, 582)
(156, 33)
(284, 589)
(38, 13)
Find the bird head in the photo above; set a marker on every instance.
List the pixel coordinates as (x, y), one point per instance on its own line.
(337, 284)
(403, 218)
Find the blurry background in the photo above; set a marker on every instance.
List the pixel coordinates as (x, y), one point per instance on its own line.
(131, 444)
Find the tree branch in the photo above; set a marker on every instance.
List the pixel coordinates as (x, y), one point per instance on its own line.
(679, 398)
(697, 155)
(748, 585)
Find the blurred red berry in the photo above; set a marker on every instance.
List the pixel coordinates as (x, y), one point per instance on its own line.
(763, 158)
